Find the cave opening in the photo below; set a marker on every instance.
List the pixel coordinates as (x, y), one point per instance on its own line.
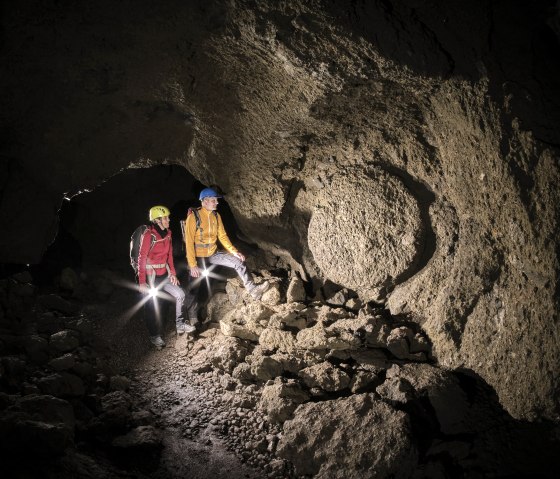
(95, 227)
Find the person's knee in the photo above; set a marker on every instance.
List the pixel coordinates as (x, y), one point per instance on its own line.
(177, 292)
(234, 261)
(180, 294)
(239, 265)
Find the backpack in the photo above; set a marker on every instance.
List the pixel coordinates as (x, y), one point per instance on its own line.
(195, 212)
(135, 246)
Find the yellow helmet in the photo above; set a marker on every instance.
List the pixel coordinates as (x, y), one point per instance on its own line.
(158, 212)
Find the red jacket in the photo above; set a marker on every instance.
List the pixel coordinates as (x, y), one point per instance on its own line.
(161, 253)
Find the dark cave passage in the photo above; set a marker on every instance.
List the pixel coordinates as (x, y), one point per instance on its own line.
(95, 227)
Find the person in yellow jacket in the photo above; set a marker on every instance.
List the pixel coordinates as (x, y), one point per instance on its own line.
(203, 229)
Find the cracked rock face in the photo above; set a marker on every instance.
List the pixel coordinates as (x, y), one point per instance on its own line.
(367, 230)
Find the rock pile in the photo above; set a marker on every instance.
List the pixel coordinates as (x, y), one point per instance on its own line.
(303, 388)
(292, 387)
(287, 369)
(55, 390)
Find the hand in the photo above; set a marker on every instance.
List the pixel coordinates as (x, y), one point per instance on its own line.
(239, 255)
(173, 280)
(194, 271)
(143, 288)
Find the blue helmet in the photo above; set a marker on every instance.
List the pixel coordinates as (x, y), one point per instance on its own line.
(209, 193)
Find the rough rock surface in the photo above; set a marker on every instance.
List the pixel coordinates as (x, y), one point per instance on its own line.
(454, 107)
(210, 405)
(365, 231)
(354, 437)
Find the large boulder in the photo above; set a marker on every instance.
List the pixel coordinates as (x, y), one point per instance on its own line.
(349, 438)
(373, 241)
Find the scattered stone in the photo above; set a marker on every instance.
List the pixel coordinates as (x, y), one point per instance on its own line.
(398, 342)
(338, 298)
(442, 388)
(64, 341)
(68, 279)
(26, 434)
(274, 339)
(56, 303)
(354, 304)
(48, 409)
(364, 380)
(29, 388)
(296, 291)
(396, 390)
(419, 344)
(23, 277)
(247, 321)
(119, 383)
(116, 407)
(227, 382)
(339, 336)
(81, 325)
(325, 376)
(242, 373)
(142, 439)
(280, 399)
(37, 349)
(63, 363)
(265, 368)
(12, 372)
(62, 384)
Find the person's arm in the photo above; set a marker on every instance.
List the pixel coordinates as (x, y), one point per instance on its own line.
(172, 274)
(144, 250)
(223, 237)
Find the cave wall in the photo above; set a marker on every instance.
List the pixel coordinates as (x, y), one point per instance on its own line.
(406, 151)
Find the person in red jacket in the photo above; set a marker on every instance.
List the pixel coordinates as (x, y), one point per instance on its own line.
(157, 276)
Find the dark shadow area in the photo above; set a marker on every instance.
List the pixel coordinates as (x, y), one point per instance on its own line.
(425, 197)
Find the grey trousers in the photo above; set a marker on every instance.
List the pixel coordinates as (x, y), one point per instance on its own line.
(167, 292)
(219, 258)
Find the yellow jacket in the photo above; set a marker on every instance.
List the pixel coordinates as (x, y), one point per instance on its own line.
(201, 242)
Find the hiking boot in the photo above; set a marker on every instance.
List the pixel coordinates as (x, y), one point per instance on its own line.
(157, 342)
(185, 328)
(259, 290)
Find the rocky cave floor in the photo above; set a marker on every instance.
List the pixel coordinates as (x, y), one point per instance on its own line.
(207, 424)
(84, 391)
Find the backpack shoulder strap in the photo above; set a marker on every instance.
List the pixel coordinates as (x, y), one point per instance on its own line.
(152, 236)
(196, 212)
